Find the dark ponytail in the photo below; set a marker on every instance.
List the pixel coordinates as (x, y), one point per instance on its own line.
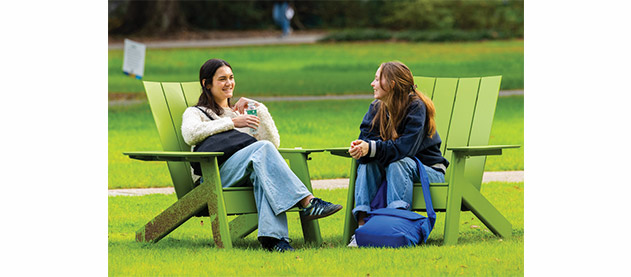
(207, 72)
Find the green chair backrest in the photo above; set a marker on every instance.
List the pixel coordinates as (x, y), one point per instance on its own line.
(464, 114)
(168, 101)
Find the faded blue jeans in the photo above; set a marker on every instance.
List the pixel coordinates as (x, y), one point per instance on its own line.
(276, 187)
(400, 175)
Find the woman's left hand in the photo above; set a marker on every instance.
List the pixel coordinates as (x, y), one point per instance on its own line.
(242, 104)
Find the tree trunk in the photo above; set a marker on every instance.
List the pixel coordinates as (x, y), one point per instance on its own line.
(128, 18)
(163, 17)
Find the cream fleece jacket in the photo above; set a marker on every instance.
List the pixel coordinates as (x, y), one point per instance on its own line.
(196, 126)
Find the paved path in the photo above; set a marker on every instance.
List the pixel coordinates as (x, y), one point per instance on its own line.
(203, 43)
(495, 176)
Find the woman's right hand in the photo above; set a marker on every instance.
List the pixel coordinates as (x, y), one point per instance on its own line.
(358, 149)
(246, 120)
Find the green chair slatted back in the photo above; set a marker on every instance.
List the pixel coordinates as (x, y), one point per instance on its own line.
(168, 102)
(464, 114)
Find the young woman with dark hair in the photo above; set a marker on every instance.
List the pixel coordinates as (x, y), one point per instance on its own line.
(398, 126)
(276, 187)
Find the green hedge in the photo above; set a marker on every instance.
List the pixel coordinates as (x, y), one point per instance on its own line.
(417, 35)
(502, 16)
(499, 15)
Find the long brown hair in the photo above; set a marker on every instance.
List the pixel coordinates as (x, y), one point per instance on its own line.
(207, 72)
(401, 92)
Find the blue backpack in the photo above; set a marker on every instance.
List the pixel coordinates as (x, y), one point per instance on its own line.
(388, 227)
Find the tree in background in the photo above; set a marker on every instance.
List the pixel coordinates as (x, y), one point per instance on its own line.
(157, 17)
(162, 17)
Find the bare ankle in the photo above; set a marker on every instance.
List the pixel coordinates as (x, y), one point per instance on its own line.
(305, 201)
(360, 218)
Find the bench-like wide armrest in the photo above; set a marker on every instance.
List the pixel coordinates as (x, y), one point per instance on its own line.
(300, 150)
(339, 151)
(176, 156)
(480, 150)
(461, 150)
(173, 156)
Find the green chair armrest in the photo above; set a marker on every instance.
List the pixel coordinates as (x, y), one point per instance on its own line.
(339, 151)
(461, 150)
(176, 156)
(300, 150)
(480, 150)
(173, 156)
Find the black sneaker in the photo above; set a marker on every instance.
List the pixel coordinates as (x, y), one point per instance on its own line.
(319, 208)
(281, 246)
(275, 245)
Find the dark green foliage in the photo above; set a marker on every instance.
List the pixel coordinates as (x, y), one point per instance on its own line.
(502, 16)
(417, 35)
(228, 15)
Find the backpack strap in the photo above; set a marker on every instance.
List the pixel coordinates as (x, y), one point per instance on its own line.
(431, 214)
(204, 112)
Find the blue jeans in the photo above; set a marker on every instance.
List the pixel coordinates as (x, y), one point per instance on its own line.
(276, 187)
(279, 16)
(400, 175)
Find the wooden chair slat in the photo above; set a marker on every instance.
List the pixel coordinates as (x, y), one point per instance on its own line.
(177, 104)
(444, 94)
(425, 85)
(192, 90)
(481, 126)
(161, 116)
(460, 125)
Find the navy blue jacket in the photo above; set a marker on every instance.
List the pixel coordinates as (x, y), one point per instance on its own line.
(412, 140)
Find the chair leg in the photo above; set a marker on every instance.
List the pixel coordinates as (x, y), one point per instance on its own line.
(298, 164)
(463, 192)
(311, 231)
(350, 224)
(243, 225)
(452, 217)
(219, 225)
(454, 200)
(486, 212)
(216, 204)
(175, 215)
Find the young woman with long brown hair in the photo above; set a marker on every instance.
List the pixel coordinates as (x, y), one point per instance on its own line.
(398, 126)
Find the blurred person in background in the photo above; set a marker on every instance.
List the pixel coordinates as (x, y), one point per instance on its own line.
(283, 14)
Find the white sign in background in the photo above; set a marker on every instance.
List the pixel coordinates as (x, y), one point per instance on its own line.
(134, 59)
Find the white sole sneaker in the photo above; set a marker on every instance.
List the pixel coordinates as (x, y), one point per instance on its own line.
(353, 242)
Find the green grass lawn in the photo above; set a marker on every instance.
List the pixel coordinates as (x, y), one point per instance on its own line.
(189, 250)
(308, 124)
(326, 68)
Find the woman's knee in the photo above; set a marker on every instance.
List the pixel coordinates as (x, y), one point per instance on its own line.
(265, 146)
(405, 164)
(368, 167)
(267, 152)
(264, 143)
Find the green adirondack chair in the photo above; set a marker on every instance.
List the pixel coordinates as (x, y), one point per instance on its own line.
(464, 115)
(168, 101)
